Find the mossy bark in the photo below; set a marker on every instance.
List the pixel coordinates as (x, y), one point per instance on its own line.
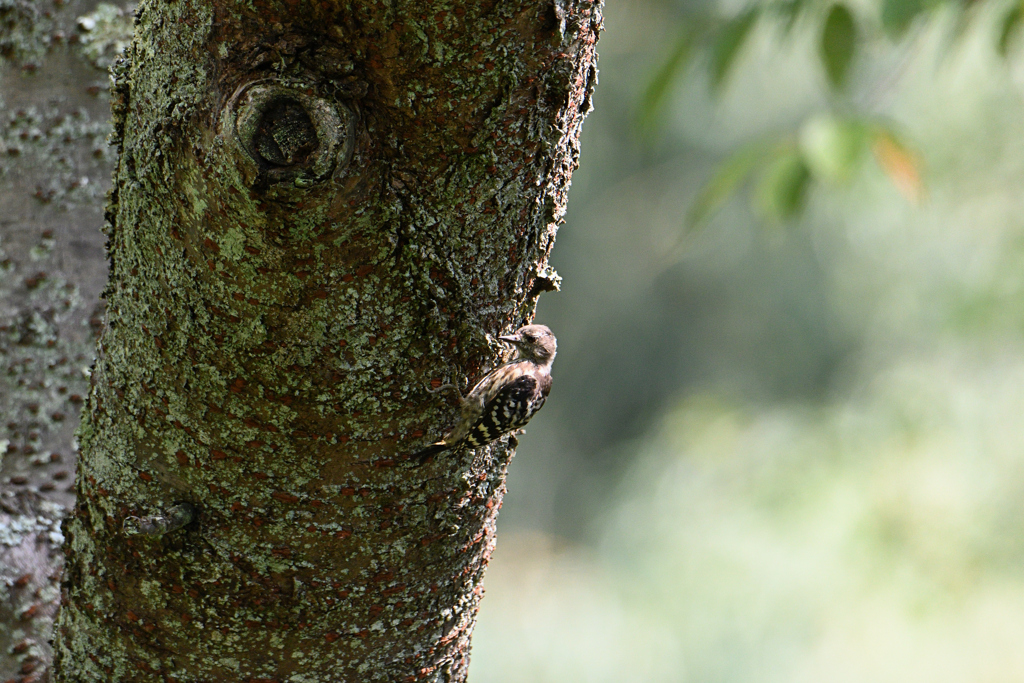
(320, 210)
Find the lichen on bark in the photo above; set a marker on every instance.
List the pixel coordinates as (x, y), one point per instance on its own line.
(320, 210)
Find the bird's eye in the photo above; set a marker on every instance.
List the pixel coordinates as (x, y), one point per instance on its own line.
(529, 338)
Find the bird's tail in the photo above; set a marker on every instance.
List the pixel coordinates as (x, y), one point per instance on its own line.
(429, 452)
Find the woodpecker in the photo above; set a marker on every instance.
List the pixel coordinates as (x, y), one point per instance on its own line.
(508, 396)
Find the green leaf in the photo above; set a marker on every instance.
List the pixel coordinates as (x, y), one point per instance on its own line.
(832, 147)
(727, 45)
(727, 179)
(783, 186)
(660, 85)
(898, 15)
(1011, 22)
(838, 44)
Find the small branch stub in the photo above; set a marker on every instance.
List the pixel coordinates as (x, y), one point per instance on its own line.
(287, 136)
(172, 519)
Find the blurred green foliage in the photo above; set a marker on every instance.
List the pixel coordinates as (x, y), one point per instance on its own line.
(841, 35)
(838, 44)
(791, 453)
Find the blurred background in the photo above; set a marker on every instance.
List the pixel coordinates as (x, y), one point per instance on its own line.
(786, 437)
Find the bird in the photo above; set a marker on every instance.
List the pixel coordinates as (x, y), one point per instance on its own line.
(507, 397)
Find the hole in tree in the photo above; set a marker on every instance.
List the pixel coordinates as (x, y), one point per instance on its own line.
(285, 135)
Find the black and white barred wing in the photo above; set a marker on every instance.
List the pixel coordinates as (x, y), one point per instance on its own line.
(512, 406)
(475, 402)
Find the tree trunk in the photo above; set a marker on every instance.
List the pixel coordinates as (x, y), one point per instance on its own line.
(320, 210)
(54, 170)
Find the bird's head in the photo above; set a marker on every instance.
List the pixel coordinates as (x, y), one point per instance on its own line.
(535, 342)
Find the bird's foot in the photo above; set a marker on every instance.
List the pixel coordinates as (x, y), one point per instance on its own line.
(444, 387)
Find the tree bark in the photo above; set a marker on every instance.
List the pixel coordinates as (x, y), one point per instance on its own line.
(321, 209)
(54, 171)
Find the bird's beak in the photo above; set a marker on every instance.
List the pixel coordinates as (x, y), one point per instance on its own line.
(511, 339)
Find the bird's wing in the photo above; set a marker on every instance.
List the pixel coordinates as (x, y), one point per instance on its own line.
(479, 396)
(509, 408)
